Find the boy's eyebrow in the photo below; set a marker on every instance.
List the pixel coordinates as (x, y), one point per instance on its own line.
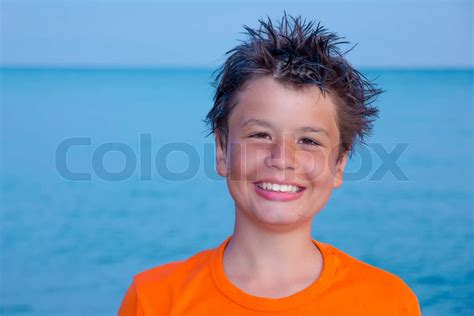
(314, 130)
(254, 121)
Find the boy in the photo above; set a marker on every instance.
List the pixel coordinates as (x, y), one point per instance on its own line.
(287, 112)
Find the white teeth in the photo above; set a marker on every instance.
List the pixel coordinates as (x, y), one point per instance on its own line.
(279, 188)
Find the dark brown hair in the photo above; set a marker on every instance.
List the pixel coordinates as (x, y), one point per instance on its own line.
(298, 54)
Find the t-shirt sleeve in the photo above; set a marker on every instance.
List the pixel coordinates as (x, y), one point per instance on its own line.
(411, 306)
(130, 303)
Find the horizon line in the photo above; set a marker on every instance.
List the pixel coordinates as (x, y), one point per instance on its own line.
(207, 67)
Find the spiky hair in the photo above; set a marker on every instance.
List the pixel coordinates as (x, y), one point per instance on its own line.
(296, 53)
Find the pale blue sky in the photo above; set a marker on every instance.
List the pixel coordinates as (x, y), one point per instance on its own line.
(390, 34)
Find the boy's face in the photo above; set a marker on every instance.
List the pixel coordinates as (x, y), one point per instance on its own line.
(280, 135)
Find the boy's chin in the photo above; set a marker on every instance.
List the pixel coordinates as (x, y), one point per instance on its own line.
(278, 217)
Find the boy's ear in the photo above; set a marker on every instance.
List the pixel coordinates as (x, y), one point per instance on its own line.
(339, 174)
(221, 158)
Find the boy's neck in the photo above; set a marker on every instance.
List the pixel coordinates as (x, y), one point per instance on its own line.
(271, 257)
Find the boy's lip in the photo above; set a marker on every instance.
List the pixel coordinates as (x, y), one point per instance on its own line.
(276, 195)
(276, 181)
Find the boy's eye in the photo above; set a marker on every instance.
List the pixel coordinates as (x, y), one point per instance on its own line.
(309, 141)
(259, 135)
(304, 141)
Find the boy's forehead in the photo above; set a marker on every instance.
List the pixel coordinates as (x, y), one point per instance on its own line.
(265, 93)
(266, 100)
(268, 86)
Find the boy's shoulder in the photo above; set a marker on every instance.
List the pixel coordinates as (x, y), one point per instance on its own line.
(353, 272)
(174, 271)
(350, 264)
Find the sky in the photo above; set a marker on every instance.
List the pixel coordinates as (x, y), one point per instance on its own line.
(75, 33)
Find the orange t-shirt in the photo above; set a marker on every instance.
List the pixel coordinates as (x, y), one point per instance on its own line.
(199, 286)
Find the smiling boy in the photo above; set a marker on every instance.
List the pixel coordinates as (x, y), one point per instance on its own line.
(287, 112)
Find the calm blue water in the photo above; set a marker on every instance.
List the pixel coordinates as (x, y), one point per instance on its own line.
(71, 247)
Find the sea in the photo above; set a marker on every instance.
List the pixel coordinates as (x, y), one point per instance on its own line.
(109, 172)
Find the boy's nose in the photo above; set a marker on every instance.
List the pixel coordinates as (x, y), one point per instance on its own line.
(282, 156)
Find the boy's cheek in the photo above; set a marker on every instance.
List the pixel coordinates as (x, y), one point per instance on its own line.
(244, 160)
(239, 163)
(313, 166)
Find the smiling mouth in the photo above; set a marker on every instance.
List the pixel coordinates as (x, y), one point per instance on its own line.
(275, 187)
(278, 191)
